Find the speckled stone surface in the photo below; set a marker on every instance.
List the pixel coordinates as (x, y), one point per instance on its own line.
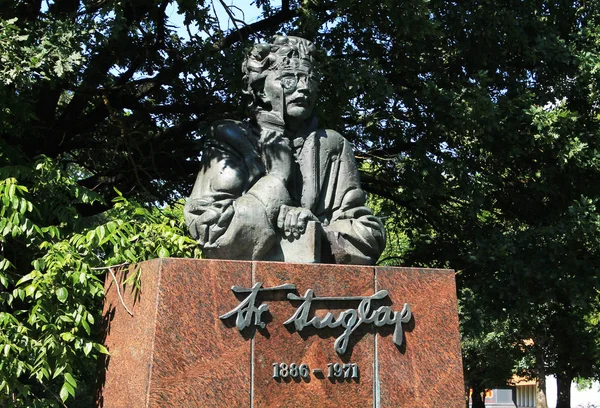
(285, 345)
(176, 352)
(129, 340)
(427, 372)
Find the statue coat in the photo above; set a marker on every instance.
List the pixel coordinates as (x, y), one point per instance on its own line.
(234, 205)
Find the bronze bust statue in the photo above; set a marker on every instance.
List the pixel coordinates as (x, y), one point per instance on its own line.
(275, 187)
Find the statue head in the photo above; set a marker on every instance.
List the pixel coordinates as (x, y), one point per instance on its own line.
(280, 77)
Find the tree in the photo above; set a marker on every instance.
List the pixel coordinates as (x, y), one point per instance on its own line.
(52, 267)
(491, 348)
(528, 235)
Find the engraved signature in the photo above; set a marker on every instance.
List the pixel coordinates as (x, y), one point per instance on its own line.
(249, 315)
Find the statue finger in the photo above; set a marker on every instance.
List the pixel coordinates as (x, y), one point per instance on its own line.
(226, 217)
(201, 234)
(198, 206)
(209, 216)
(294, 223)
(214, 233)
(302, 221)
(287, 227)
(283, 211)
(267, 136)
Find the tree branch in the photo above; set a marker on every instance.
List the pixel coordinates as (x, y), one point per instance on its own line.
(244, 32)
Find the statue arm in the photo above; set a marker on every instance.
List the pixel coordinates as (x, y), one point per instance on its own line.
(233, 207)
(251, 232)
(355, 235)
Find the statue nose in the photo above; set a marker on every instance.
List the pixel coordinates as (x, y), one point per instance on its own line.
(302, 84)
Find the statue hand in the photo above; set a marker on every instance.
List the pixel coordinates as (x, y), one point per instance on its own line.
(277, 154)
(272, 120)
(292, 220)
(276, 151)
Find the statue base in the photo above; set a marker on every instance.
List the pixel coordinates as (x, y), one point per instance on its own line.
(175, 351)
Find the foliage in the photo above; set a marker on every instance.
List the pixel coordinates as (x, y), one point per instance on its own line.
(497, 340)
(53, 286)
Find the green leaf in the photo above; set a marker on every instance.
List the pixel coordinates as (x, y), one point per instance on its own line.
(86, 326)
(30, 290)
(101, 232)
(58, 371)
(64, 393)
(26, 278)
(59, 69)
(62, 294)
(69, 378)
(87, 347)
(163, 252)
(101, 348)
(38, 264)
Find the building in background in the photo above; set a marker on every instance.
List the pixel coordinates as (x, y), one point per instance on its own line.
(522, 395)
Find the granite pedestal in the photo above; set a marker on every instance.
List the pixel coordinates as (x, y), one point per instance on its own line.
(176, 352)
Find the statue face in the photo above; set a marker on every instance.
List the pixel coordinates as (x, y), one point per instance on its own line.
(292, 90)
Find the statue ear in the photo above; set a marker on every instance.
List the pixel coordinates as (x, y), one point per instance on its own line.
(263, 100)
(263, 97)
(258, 87)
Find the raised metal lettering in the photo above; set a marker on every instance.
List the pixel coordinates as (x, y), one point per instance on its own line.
(247, 313)
(350, 319)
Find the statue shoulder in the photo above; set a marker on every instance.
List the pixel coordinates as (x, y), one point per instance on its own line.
(333, 141)
(228, 129)
(234, 135)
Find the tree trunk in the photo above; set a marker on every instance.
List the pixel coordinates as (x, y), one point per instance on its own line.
(476, 396)
(563, 385)
(540, 384)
